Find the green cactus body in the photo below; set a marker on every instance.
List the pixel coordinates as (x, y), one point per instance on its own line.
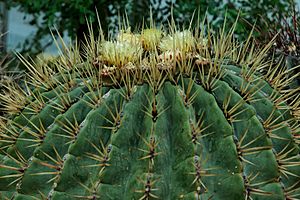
(173, 123)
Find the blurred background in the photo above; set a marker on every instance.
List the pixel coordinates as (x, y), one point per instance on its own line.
(25, 25)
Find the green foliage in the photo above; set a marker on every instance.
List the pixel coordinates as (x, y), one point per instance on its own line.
(71, 16)
(175, 116)
(251, 12)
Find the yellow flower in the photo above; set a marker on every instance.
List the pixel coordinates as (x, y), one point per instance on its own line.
(119, 53)
(150, 38)
(182, 41)
(128, 36)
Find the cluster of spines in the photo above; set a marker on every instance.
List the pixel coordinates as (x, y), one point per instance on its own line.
(274, 121)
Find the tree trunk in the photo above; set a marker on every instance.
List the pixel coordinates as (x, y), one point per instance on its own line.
(3, 27)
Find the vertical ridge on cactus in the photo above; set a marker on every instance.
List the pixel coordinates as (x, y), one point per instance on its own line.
(156, 115)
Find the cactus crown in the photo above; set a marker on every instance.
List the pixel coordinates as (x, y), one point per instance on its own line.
(178, 114)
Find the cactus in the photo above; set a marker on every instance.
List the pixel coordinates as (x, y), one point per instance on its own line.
(181, 114)
(286, 48)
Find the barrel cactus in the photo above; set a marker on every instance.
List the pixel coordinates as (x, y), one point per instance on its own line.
(178, 114)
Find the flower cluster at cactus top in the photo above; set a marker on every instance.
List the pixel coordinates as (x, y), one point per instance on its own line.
(128, 47)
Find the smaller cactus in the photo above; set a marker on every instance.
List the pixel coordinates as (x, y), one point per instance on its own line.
(287, 47)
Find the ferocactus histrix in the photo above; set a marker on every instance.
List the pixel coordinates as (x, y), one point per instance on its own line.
(154, 115)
